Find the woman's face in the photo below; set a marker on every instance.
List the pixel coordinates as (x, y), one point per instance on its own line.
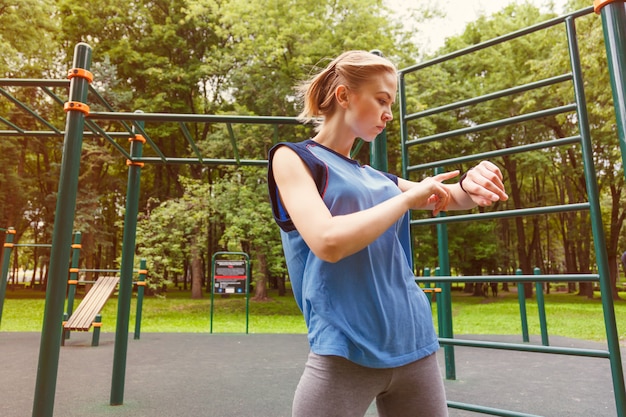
(369, 108)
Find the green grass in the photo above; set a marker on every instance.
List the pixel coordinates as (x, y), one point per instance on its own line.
(568, 315)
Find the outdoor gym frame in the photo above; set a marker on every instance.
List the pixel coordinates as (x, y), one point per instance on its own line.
(80, 122)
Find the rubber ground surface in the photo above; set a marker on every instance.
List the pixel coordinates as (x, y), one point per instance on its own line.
(255, 375)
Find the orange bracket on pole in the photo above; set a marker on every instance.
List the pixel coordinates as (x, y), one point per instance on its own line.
(138, 138)
(599, 4)
(133, 163)
(80, 72)
(76, 105)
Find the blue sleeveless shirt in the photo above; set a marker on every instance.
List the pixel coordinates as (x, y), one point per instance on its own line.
(366, 307)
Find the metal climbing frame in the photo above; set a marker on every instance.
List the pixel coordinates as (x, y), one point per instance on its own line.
(81, 122)
(615, 11)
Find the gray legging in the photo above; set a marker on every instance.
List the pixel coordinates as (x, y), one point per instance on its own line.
(334, 386)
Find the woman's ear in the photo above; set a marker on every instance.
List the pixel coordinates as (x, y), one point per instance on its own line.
(341, 95)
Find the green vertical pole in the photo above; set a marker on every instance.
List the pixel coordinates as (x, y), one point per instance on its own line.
(378, 152)
(212, 290)
(50, 344)
(6, 262)
(126, 271)
(141, 287)
(97, 325)
(440, 325)
(427, 284)
(378, 148)
(599, 239)
(541, 306)
(521, 298)
(614, 27)
(247, 291)
(446, 297)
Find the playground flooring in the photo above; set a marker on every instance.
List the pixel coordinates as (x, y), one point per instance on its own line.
(255, 375)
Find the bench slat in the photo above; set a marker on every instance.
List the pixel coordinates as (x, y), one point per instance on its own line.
(92, 304)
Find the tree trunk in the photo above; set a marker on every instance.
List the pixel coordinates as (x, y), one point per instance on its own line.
(196, 269)
(196, 277)
(260, 289)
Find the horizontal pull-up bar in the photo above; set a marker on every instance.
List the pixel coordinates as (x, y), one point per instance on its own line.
(199, 118)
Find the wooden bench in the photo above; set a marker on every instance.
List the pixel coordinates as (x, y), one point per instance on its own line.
(87, 313)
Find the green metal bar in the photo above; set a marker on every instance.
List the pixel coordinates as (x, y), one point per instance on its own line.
(487, 410)
(98, 131)
(593, 353)
(49, 133)
(33, 245)
(404, 127)
(51, 94)
(192, 161)
(139, 128)
(197, 118)
(516, 278)
(446, 296)
(597, 227)
(6, 263)
(495, 41)
(248, 276)
(378, 152)
(8, 123)
(357, 147)
(140, 293)
(491, 96)
(503, 214)
(212, 292)
(521, 299)
(95, 338)
(105, 103)
(34, 82)
(378, 148)
(614, 27)
(440, 314)
(541, 306)
(498, 152)
(495, 124)
(233, 141)
(426, 283)
(126, 276)
(28, 110)
(50, 344)
(190, 140)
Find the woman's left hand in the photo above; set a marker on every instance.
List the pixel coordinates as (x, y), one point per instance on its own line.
(484, 184)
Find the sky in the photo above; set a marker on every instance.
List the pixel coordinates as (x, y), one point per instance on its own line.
(457, 14)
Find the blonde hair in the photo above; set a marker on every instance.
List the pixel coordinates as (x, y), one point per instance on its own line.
(352, 69)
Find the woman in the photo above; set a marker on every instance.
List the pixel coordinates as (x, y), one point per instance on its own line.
(345, 234)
